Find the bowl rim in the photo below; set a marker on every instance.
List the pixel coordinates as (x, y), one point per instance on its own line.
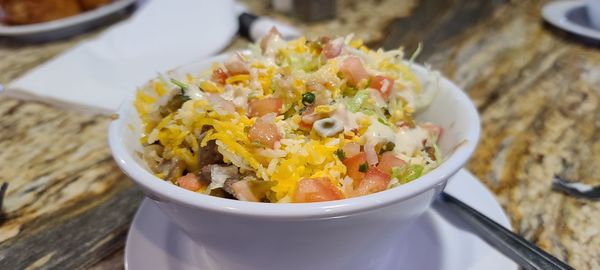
(164, 191)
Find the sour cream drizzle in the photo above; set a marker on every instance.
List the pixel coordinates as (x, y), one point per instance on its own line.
(406, 141)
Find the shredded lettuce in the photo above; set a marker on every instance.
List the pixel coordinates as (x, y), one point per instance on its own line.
(358, 100)
(314, 64)
(383, 121)
(289, 78)
(307, 64)
(416, 53)
(407, 173)
(368, 112)
(437, 153)
(396, 172)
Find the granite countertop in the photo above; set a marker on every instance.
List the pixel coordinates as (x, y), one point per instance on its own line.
(537, 89)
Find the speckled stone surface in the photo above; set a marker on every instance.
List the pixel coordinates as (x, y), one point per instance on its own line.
(537, 89)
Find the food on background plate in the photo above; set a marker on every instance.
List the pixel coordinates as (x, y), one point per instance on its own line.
(18, 12)
(291, 121)
(92, 4)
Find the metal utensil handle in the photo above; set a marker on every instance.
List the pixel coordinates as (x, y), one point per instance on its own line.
(523, 252)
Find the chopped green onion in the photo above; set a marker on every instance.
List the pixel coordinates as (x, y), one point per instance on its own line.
(181, 85)
(389, 146)
(301, 111)
(363, 167)
(308, 98)
(340, 154)
(349, 91)
(290, 112)
(258, 144)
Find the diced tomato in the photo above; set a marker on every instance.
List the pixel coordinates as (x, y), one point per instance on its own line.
(308, 118)
(305, 126)
(235, 65)
(433, 130)
(383, 84)
(333, 48)
(388, 161)
(351, 149)
(374, 181)
(189, 181)
(316, 190)
(353, 165)
(264, 43)
(265, 132)
(353, 70)
(219, 76)
(260, 107)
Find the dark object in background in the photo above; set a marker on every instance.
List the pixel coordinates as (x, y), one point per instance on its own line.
(3, 189)
(314, 10)
(245, 21)
(575, 189)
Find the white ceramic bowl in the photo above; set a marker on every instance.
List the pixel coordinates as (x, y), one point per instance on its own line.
(351, 233)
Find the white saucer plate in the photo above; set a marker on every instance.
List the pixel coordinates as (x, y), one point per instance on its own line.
(67, 26)
(436, 241)
(571, 16)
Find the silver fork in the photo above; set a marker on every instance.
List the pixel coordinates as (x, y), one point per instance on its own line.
(521, 251)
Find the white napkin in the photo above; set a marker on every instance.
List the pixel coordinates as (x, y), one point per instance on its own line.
(97, 75)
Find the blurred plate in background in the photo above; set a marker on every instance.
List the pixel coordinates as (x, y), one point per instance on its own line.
(68, 26)
(570, 16)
